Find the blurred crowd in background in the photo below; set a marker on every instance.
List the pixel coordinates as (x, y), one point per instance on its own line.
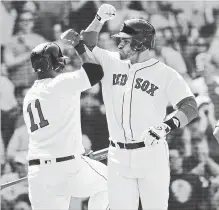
(187, 39)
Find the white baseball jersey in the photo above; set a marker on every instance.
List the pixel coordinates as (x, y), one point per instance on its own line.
(51, 112)
(136, 96)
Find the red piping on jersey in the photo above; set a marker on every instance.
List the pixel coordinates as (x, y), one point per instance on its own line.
(131, 95)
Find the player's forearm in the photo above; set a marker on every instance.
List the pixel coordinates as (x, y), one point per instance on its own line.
(95, 26)
(91, 34)
(183, 119)
(93, 70)
(83, 53)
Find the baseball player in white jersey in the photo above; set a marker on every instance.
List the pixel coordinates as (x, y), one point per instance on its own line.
(136, 94)
(57, 169)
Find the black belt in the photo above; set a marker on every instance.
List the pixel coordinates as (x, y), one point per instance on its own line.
(49, 161)
(128, 145)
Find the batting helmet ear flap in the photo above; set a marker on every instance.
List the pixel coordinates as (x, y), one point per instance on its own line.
(58, 63)
(150, 41)
(153, 42)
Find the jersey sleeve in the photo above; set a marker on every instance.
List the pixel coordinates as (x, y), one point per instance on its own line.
(72, 82)
(177, 89)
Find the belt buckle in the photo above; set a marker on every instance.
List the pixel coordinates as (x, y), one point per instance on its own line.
(131, 146)
(124, 145)
(47, 161)
(117, 145)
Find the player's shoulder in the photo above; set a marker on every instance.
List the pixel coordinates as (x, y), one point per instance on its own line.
(62, 78)
(164, 66)
(166, 69)
(35, 89)
(65, 81)
(29, 94)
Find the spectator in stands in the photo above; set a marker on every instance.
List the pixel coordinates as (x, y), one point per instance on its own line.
(18, 143)
(57, 31)
(93, 118)
(2, 151)
(215, 193)
(169, 50)
(17, 51)
(207, 68)
(126, 10)
(9, 109)
(20, 93)
(185, 189)
(10, 194)
(201, 164)
(30, 6)
(207, 71)
(21, 163)
(77, 11)
(8, 167)
(213, 48)
(205, 105)
(22, 202)
(9, 13)
(8, 102)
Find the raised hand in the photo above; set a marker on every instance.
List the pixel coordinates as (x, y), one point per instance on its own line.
(71, 37)
(106, 12)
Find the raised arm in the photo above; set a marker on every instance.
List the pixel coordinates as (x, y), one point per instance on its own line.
(93, 70)
(91, 33)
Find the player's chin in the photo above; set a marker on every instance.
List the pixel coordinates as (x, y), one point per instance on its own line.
(122, 56)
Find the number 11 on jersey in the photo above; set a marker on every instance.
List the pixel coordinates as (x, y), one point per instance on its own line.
(43, 121)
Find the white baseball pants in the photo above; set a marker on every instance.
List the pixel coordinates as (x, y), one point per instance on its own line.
(52, 185)
(142, 172)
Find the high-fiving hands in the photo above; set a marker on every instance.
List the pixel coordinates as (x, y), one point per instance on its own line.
(71, 36)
